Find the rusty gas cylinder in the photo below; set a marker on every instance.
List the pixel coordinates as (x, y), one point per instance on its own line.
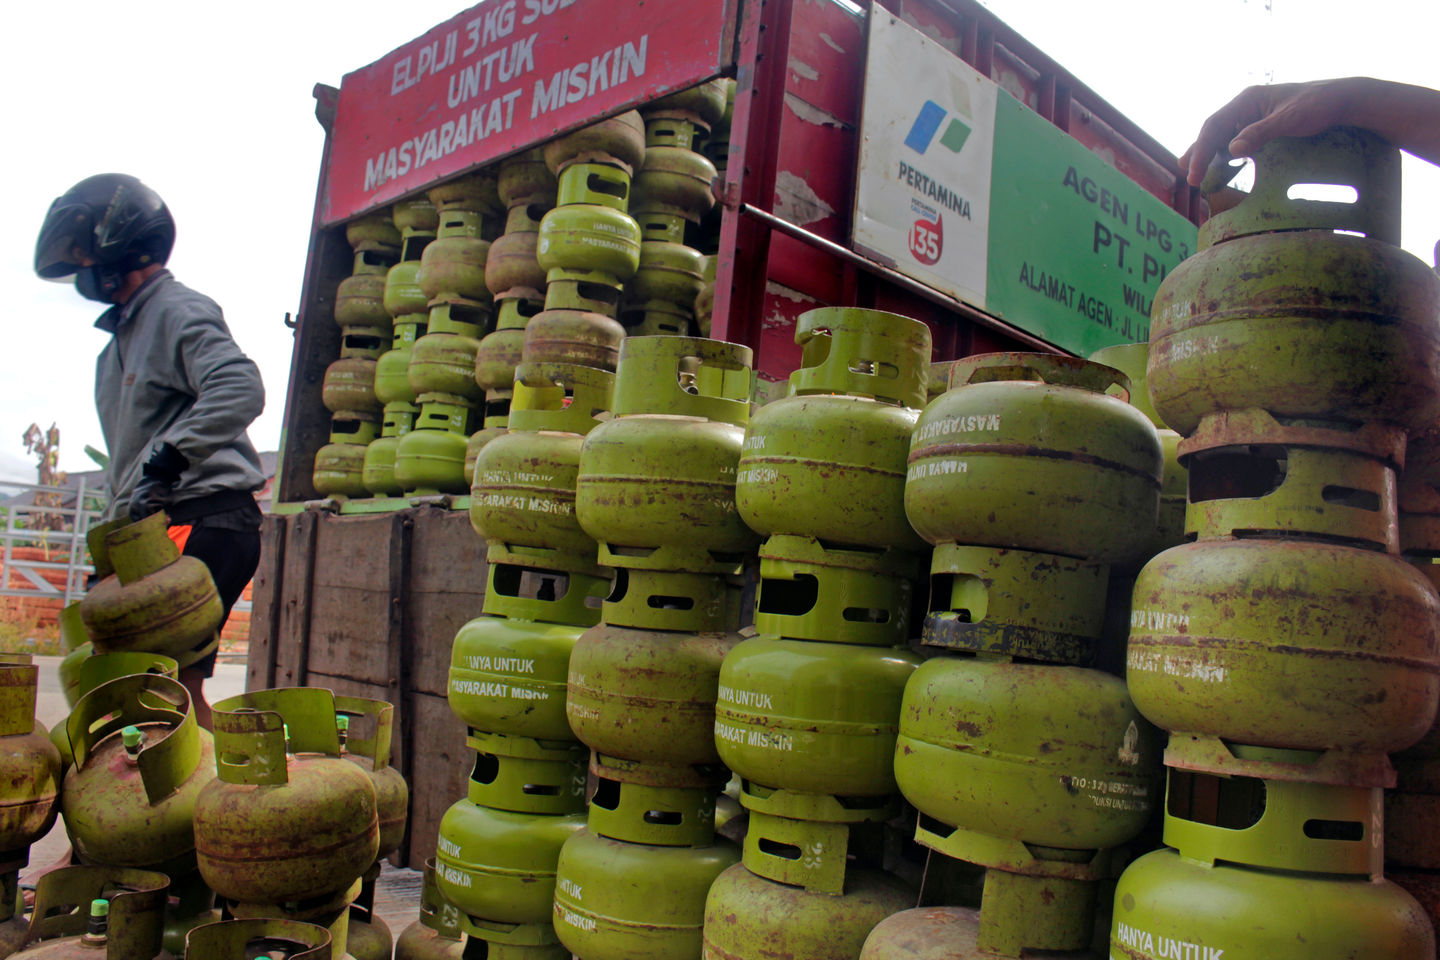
(702, 103)
(443, 360)
(525, 179)
(642, 684)
(477, 192)
(453, 264)
(349, 386)
(29, 761)
(1028, 451)
(617, 140)
(828, 461)
(436, 935)
(511, 263)
(586, 337)
(141, 762)
(360, 297)
(704, 307)
(748, 916)
(674, 178)
(495, 422)
(1269, 312)
(656, 486)
(523, 489)
(978, 751)
(364, 727)
(501, 350)
(288, 819)
(660, 298)
(149, 598)
(1289, 644)
(403, 296)
(92, 912)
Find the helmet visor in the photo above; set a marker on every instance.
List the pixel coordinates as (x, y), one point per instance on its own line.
(67, 237)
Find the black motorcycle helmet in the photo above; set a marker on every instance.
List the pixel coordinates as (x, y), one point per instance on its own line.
(111, 219)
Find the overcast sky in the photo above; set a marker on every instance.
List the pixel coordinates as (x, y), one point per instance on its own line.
(211, 106)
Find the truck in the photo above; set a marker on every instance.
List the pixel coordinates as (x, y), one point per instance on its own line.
(913, 156)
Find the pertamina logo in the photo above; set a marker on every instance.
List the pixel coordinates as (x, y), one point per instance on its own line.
(927, 233)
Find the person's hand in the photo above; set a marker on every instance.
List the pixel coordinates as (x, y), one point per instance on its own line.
(1260, 114)
(157, 481)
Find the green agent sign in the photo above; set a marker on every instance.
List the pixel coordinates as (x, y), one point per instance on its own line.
(965, 189)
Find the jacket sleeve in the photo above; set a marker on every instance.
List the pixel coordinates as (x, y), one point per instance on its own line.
(226, 385)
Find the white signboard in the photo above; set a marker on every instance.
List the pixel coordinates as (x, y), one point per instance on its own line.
(927, 139)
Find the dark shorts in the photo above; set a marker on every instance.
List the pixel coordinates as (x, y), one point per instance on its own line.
(232, 553)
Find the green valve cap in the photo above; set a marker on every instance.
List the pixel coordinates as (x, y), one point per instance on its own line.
(100, 907)
(132, 738)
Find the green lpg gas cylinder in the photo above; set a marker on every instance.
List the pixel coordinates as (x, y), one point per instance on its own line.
(416, 216)
(524, 179)
(392, 370)
(600, 241)
(1131, 359)
(365, 728)
(288, 818)
(93, 912)
(443, 362)
(365, 343)
(189, 905)
(1028, 451)
(717, 144)
(943, 933)
(29, 762)
(501, 350)
(340, 464)
(477, 192)
(587, 337)
(524, 775)
(500, 865)
(453, 264)
(150, 598)
(377, 474)
(1284, 643)
(657, 482)
(1017, 753)
(368, 937)
(507, 673)
(349, 386)
(635, 901)
(617, 140)
(436, 935)
(141, 762)
(1274, 870)
(495, 423)
(243, 939)
(829, 460)
(642, 684)
(373, 231)
(523, 488)
(705, 299)
(812, 717)
(431, 458)
(748, 917)
(1303, 308)
(654, 803)
(330, 913)
(403, 297)
(511, 264)
(663, 290)
(1412, 809)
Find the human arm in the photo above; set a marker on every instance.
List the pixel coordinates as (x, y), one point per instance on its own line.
(1406, 115)
(225, 383)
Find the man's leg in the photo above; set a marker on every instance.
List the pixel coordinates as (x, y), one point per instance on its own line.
(232, 556)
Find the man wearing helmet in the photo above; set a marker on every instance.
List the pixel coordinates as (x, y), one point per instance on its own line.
(173, 390)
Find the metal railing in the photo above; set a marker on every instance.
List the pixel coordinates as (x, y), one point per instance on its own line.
(77, 509)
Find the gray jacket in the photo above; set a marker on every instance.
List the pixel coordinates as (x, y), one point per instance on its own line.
(172, 373)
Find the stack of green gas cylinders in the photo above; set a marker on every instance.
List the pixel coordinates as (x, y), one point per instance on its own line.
(1290, 647)
(365, 334)
(430, 459)
(715, 145)
(1031, 475)
(517, 281)
(808, 706)
(588, 245)
(672, 192)
(657, 492)
(409, 312)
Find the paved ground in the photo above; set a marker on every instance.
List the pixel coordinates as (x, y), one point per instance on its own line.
(397, 895)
